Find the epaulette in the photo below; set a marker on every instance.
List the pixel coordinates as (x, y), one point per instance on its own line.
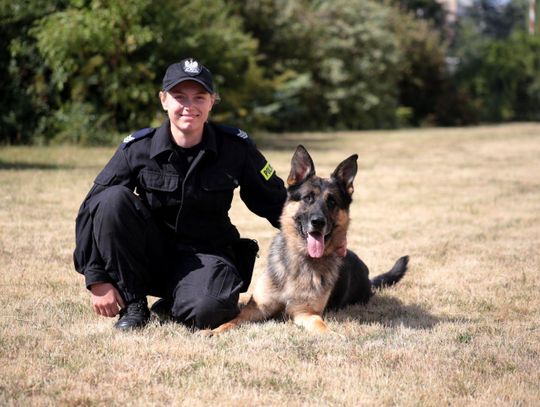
(235, 131)
(139, 134)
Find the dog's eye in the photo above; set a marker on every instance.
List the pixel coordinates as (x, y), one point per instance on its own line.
(309, 198)
(331, 202)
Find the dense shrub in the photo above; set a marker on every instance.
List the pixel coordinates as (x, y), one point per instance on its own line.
(503, 80)
(81, 71)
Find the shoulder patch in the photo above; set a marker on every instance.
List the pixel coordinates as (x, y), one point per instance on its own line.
(139, 134)
(234, 131)
(267, 171)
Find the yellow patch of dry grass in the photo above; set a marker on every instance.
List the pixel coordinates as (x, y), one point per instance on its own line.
(462, 328)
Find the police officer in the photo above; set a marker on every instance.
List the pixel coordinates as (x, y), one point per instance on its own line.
(156, 219)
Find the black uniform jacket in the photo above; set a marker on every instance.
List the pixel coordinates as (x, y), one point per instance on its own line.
(190, 203)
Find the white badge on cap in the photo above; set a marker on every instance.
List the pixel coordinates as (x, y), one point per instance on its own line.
(192, 67)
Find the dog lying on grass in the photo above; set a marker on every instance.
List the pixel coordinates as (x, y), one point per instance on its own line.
(305, 276)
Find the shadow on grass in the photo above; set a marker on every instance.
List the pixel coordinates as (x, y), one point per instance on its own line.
(29, 166)
(389, 312)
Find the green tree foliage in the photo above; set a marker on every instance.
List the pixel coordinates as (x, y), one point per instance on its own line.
(430, 10)
(210, 32)
(98, 64)
(116, 52)
(287, 32)
(498, 75)
(91, 52)
(82, 71)
(503, 82)
(359, 64)
(333, 63)
(24, 91)
(422, 69)
(497, 19)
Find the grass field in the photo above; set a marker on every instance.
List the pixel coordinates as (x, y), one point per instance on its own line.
(462, 328)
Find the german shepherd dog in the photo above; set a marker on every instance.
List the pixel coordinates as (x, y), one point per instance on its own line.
(305, 276)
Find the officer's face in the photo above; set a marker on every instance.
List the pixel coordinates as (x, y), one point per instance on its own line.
(188, 105)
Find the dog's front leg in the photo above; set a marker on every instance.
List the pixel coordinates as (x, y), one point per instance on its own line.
(252, 312)
(311, 321)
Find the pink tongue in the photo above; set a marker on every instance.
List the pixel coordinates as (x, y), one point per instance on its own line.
(315, 245)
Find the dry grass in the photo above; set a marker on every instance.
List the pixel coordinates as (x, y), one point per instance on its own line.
(463, 328)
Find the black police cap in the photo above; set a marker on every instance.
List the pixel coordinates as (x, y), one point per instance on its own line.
(188, 69)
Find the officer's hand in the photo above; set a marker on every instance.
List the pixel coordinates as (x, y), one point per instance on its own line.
(106, 299)
(341, 250)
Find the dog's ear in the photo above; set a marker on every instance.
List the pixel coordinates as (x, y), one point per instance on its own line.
(345, 173)
(302, 167)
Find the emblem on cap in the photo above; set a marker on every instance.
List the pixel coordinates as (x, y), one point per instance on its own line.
(242, 134)
(192, 67)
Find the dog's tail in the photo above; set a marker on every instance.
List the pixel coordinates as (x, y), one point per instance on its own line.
(393, 276)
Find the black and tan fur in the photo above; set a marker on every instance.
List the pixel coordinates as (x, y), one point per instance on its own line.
(305, 276)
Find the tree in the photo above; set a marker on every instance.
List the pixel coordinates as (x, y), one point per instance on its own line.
(496, 19)
(91, 53)
(24, 90)
(97, 65)
(209, 31)
(498, 72)
(430, 10)
(333, 64)
(357, 65)
(287, 33)
(504, 81)
(422, 69)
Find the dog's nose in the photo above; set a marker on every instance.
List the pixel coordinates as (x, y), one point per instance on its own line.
(318, 222)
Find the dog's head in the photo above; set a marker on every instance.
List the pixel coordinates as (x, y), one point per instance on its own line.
(318, 208)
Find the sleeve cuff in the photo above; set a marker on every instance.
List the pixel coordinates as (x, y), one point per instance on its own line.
(95, 276)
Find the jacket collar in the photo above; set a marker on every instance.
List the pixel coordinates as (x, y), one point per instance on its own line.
(163, 142)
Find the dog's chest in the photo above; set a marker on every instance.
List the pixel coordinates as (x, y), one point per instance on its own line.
(312, 277)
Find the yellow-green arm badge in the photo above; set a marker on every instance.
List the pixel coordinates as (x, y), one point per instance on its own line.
(267, 171)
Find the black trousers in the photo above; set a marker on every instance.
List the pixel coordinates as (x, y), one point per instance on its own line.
(203, 287)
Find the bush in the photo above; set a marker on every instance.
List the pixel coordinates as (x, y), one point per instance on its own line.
(333, 64)
(422, 69)
(503, 80)
(82, 71)
(106, 60)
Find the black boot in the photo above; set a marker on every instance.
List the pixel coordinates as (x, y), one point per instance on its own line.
(134, 315)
